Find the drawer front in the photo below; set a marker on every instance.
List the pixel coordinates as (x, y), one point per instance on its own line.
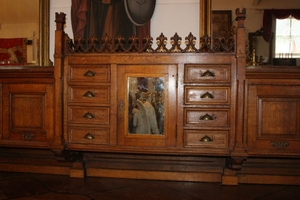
(93, 73)
(207, 74)
(87, 135)
(207, 95)
(80, 94)
(206, 139)
(89, 115)
(206, 117)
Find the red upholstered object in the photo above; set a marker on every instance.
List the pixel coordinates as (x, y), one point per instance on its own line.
(13, 51)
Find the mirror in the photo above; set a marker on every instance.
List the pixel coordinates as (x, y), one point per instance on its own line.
(260, 51)
(24, 32)
(146, 105)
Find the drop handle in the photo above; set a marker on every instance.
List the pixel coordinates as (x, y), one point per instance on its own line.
(207, 95)
(280, 145)
(28, 136)
(89, 136)
(206, 139)
(89, 94)
(207, 117)
(89, 73)
(208, 73)
(88, 115)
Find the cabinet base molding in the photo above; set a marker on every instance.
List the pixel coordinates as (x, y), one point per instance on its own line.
(230, 180)
(155, 175)
(270, 179)
(284, 171)
(229, 177)
(38, 169)
(155, 167)
(32, 161)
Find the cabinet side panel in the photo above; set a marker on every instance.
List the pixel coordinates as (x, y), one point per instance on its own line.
(1, 108)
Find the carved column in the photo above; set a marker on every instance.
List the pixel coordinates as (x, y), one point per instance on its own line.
(58, 143)
(238, 154)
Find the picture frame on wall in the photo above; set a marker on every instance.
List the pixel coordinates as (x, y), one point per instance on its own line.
(221, 22)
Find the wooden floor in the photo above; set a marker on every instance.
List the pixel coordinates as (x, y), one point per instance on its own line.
(38, 186)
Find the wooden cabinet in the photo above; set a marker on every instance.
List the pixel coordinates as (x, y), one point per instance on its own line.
(27, 109)
(161, 106)
(273, 114)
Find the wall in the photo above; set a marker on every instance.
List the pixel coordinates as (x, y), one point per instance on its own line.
(175, 16)
(254, 9)
(182, 16)
(58, 6)
(170, 16)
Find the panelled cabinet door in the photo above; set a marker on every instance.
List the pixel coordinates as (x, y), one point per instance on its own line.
(27, 114)
(147, 105)
(273, 116)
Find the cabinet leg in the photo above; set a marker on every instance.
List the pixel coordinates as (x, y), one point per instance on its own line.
(229, 177)
(77, 170)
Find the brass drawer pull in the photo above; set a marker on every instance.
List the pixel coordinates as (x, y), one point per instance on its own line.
(207, 117)
(89, 73)
(206, 139)
(28, 136)
(89, 94)
(88, 115)
(207, 95)
(280, 145)
(89, 136)
(208, 73)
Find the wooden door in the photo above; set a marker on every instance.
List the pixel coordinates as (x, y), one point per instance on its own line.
(147, 105)
(273, 114)
(27, 114)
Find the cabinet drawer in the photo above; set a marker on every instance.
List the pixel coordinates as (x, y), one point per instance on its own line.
(207, 95)
(207, 73)
(88, 135)
(90, 115)
(93, 73)
(207, 139)
(80, 94)
(206, 117)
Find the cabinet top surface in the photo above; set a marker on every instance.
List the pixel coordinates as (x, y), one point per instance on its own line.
(280, 72)
(26, 71)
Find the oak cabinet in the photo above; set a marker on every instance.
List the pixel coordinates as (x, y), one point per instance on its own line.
(149, 104)
(273, 116)
(27, 108)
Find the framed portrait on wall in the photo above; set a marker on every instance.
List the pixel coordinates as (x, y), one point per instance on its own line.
(221, 22)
